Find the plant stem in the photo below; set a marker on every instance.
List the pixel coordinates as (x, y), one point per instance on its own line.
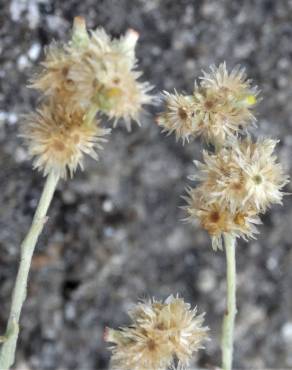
(7, 354)
(229, 316)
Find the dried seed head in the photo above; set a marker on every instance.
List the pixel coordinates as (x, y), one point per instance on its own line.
(58, 138)
(234, 85)
(224, 103)
(54, 76)
(112, 87)
(108, 77)
(219, 109)
(96, 70)
(265, 177)
(160, 332)
(241, 179)
(244, 175)
(178, 116)
(236, 184)
(217, 218)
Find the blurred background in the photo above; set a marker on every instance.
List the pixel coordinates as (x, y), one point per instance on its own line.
(114, 234)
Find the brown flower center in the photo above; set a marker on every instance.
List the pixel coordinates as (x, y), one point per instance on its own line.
(237, 186)
(116, 80)
(209, 104)
(59, 146)
(182, 113)
(214, 216)
(151, 345)
(160, 326)
(65, 71)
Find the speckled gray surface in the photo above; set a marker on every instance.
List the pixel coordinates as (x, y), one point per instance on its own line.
(114, 233)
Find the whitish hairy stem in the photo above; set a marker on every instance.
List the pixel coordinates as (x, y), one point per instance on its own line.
(7, 354)
(229, 316)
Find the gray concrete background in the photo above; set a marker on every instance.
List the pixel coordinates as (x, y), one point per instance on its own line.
(114, 233)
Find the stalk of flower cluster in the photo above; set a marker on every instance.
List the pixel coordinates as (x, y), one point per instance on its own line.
(7, 354)
(229, 316)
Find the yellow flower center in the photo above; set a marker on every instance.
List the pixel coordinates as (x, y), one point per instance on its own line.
(114, 92)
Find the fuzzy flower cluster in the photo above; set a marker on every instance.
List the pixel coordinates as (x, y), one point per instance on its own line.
(240, 179)
(220, 107)
(90, 74)
(235, 186)
(161, 333)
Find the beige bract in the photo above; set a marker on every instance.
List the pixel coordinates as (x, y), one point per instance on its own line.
(58, 138)
(219, 109)
(160, 332)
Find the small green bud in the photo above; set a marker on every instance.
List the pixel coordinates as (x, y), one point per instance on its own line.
(80, 36)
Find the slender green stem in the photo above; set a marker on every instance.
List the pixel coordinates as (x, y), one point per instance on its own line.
(7, 354)
(229, 316)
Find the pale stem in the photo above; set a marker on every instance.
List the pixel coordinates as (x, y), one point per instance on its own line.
(229, 316)
(7, 354)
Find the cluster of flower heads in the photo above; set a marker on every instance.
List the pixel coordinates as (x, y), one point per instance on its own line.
(90, 74)
(219, 108)
(161, 335)
(240, 179)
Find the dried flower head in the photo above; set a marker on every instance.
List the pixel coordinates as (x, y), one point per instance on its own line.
(223, 103)
(90, 74)
(243, 175)
(178, 116)
(218, 110)
(160, 333)
(58, 137)
(53, 77)
(236, 184)
(218, 219)
(233, 85)
(96, 70)
(265, 177)
(107, 77)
